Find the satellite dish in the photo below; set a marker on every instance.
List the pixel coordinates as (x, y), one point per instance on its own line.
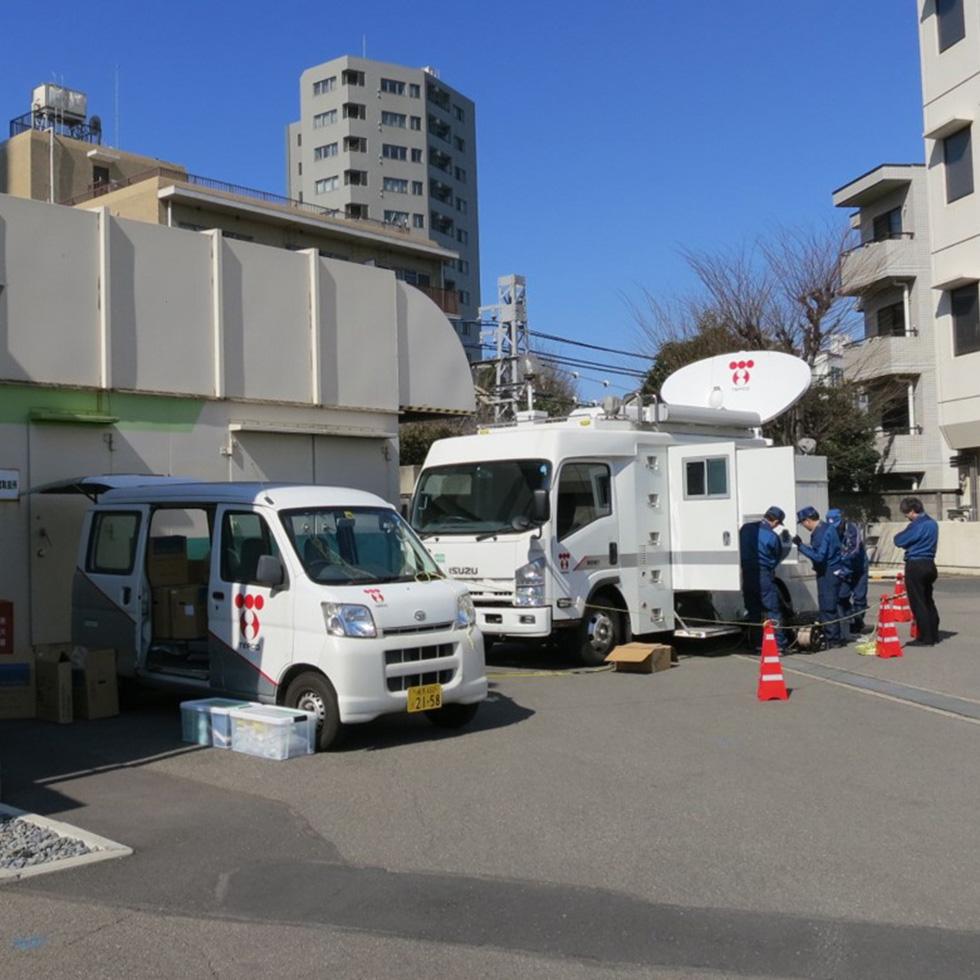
(766, 382)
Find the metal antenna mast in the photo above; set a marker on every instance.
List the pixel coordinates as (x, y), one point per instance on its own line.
(510, 340)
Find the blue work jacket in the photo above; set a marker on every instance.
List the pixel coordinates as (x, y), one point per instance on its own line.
(920, 538)
(824, 549)
(759, 544)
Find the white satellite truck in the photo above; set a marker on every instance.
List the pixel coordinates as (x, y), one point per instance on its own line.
(623, 520)
(312, 597)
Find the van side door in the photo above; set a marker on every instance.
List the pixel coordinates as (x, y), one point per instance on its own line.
(250, 626)
(109, 598)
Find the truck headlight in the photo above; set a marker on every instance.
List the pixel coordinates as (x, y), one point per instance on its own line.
(465, 611)
(529, 584)
(343, 619)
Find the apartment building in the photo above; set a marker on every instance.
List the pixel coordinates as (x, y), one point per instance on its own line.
(889, 273)
(387, 143)
(949, 49)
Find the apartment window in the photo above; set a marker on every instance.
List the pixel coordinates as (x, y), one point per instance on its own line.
(950, 22)
(464, 266)
(325, 85)
(237, 236)
(449, 264)
(322, 119)
(299, 168)
(354, 110)
(440, 223)
(395, 184)
(299, 139)
(417, 187)
(416, 122)
(327, 150)
(958, 157)
(356, 178)
(888, 225)
(891, 320)
(462, 236)
(461, 205)
(418, 220)
(355, 144)
(414, 91)
(100, 176)
(895, 415)
(326, 184)
(704, 478)
(966, 319)
(351, 77)
(461, 175)
(393, 119)
(356, 210)
(396, 217)
(464, 296)
(391, 151)
(459, 143)
(392, 86)
(416, 156)
(458, 112)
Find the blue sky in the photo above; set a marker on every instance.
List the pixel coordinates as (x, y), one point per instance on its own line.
(609, 135)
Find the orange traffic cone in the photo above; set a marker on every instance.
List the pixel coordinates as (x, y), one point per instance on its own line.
(772, 687)
(888, 643)
(914, 632)
(901, 610)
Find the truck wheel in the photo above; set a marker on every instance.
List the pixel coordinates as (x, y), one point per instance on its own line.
(313, 692)
(597, 634)
(452, 715)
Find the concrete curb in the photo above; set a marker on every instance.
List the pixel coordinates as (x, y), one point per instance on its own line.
(103, 849)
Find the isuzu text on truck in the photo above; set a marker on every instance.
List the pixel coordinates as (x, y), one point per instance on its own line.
(622, 520)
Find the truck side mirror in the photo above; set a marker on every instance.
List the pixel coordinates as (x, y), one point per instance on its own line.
(540, 507)
(269, 572)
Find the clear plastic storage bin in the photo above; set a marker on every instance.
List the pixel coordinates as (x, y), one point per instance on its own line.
(272, 732)
(206, 721)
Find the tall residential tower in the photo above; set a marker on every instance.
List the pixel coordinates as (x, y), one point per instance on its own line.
(381, 142)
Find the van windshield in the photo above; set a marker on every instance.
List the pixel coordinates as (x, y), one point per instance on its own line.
(341, 545)
(474, 498)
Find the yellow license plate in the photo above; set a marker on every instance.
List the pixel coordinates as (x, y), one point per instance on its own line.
(425, 698)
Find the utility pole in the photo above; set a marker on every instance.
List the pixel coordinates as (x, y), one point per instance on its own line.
(510, 340)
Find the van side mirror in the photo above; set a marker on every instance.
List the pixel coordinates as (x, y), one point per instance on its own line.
(540, 507)
(269, 572)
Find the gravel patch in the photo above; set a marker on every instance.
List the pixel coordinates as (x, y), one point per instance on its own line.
(31, 844)
(24, 844)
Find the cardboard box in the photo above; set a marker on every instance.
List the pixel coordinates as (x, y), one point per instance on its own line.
(180, 612)
(17, 698)
(162, 629)
(166, 561)
(198, 570)
(54, 686)
(641, 658)
(93, 678)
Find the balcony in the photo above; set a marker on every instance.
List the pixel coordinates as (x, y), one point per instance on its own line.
(445, 299)
(879, 357)
(875, 264)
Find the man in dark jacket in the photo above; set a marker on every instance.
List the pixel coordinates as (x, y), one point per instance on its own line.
(760, 551)
(920, 540)
(825, 553)
(854, 573)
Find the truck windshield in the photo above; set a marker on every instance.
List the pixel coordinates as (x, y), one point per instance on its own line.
(470, 498)
(340, 545)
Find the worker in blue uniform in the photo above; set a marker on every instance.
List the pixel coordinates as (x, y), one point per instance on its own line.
(825, 552)
(854, 575)
(760, 551)
(920, 540)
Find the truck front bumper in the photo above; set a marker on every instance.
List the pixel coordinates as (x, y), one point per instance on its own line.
(523, 621)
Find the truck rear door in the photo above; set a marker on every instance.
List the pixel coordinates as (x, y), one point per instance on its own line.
(703, 516)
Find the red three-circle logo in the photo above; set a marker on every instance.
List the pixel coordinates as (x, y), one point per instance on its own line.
(248, 619)
(740, 371)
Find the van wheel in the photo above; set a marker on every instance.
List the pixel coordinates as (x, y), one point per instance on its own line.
(313, 692)
(452, 715)
(599, 631)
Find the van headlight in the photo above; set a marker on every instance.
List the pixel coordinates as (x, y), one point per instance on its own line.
(343, 619)
(529, 584)
(465, 611)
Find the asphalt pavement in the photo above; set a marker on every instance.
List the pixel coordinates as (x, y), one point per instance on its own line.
(664, 826)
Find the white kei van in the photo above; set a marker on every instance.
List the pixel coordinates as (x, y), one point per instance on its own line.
(314, 597)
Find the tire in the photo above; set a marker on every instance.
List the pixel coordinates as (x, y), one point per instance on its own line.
(313, 692)
(600, 630)
(452, 715)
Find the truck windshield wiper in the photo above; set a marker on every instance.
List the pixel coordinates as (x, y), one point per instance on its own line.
(494, 532)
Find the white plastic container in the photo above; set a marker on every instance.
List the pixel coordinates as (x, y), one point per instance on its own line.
(206, 722)
(272, 732)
